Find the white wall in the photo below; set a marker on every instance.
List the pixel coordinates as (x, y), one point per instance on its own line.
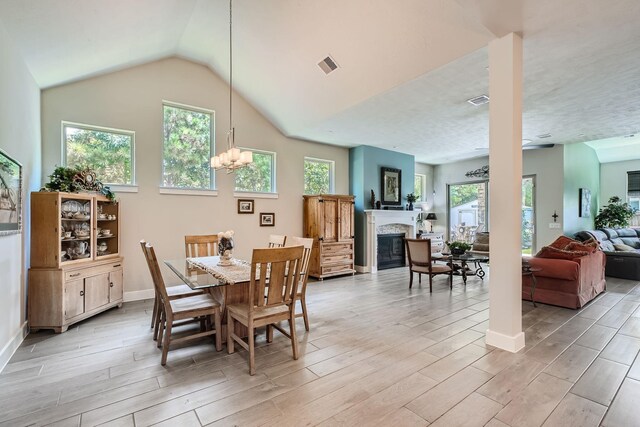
(613, 179)
(20, 138)
(132, 99)
(546, 164)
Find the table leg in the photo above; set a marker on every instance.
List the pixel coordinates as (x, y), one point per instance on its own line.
(464, 272)
(479, 271)
(533, 288)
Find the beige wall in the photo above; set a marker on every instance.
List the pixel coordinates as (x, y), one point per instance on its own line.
(546, 164)
(426, 170)
(613, 179)
(132, 99)
(20, 138)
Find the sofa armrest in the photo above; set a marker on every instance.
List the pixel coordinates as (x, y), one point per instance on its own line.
(592, 269)
(563, 269)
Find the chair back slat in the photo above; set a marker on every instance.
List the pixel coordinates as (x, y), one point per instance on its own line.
(419, 251)
(201, 245)
(279, 270)
(156, 275)
(277, 241)
(307, 244)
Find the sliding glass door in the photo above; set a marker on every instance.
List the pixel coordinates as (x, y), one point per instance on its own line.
(468, 209)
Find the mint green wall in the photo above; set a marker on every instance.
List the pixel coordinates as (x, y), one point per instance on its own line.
(581, 170)
(364, 175)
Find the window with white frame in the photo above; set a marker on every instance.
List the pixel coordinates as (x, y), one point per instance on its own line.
(633, 190)
(259, 176)
(419, 187)
(318, 176)
(188, 144)
(109, 152)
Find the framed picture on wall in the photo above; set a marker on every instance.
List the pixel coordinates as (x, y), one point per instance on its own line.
(585, 203)
(267, 219)
(10, 195)
(245, 206)
(391, 185)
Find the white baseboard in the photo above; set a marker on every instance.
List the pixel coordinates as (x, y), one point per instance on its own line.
(505, 342)
(139, 295)
(11, 347)
(361, 268)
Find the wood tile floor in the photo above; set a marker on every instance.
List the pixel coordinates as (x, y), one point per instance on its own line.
(377, 354)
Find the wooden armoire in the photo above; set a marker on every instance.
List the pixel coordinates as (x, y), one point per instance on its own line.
(328, 219)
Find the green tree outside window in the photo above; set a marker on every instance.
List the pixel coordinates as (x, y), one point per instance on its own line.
(418, 187)
(108, 153)
(318, 176)
(187, 148)
(257, 177)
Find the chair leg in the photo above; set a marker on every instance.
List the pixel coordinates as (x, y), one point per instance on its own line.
(430, 282)
(410, 279)
(451, 280)
(159, 319)
(303, 304)
(230, 346)
(269, 333)
(292, 332)
(218, 326)
(154, 313)
(252, 349)
(420, 278)
(167, 342)
(160, 329)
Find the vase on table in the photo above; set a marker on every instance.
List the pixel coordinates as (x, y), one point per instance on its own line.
(225, 248)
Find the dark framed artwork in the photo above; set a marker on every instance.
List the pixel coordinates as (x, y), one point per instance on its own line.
(584, 209)
(245, 206)
(10, 195)
(267, 219)
(391, 185)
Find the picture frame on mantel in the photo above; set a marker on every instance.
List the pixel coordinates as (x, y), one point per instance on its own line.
(10, 195)
(391, 186)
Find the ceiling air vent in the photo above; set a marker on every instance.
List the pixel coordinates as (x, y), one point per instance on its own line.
(478, 100)
(544, 135)
(328, 65)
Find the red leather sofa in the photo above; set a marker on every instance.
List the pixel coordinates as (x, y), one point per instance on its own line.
(567, 283)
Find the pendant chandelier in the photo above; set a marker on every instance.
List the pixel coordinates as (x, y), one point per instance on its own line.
(233, 158)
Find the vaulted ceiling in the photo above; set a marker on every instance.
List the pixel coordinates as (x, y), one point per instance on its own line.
(406, 67)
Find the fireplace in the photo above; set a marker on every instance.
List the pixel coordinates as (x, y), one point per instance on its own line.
(391, 250)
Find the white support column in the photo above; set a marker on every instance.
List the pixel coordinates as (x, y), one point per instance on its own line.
(505, 200)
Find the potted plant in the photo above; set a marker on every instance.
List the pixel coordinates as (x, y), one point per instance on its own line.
(457, 247)
(614, 215)
(411, 198)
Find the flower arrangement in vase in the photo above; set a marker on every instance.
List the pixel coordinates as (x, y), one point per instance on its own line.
(225, 247)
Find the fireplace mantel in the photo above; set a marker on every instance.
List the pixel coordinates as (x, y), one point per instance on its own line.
(377, 218)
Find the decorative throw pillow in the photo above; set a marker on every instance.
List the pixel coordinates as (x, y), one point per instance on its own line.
(561, 242)
(551, 252)
(621, 247)
(584, 247)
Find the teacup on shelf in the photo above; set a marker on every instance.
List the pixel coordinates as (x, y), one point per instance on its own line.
(106, 232)
(103, 216)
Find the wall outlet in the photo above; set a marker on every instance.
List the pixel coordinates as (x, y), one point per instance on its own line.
(555, 225)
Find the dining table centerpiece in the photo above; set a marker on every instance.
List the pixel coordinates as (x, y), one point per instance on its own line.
(225, 248)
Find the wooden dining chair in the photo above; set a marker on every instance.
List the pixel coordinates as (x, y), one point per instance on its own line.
(277, 241)
(307, 244)
(420, 261)
(280, 287)
(199, 308)
(201, 245)
(173, 292)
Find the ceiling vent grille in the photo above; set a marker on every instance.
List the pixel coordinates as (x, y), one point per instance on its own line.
(328, 65)
(479, 100)
(544, 135)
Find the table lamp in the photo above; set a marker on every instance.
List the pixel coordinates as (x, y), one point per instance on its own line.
(431, 217)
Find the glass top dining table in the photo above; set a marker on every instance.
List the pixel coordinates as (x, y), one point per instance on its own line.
(196, 277)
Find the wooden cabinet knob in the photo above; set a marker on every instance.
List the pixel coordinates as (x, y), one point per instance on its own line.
(111, 284)
(81, 293)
